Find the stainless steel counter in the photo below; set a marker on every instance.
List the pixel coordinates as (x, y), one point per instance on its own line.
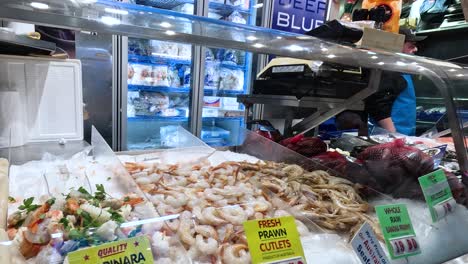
(35, 151)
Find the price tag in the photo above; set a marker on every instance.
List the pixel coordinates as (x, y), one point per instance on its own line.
(133, 250)
(274, 240)
(367, 247)
(398, 231)
(437, 154)
(437, 194)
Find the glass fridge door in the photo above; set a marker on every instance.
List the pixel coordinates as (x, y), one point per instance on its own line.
(159, 83)
(228, 73)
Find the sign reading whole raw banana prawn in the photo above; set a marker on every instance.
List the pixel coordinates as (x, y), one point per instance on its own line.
(397, 230)
(274, 240)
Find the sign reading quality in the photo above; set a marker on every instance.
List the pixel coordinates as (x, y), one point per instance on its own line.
(274, 240)
(135, 250)
(398, 231)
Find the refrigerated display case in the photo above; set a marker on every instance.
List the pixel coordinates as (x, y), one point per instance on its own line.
(159, 85)
(433, 237)
(228, 73)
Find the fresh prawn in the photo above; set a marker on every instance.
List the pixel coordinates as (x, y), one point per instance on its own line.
(235, 254)
(234, 214)
(206, 231)
(210, 246)
(209, 216)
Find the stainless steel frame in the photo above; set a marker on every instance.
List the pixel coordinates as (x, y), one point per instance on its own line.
(325, 107)
(119, 92)
(203, 31)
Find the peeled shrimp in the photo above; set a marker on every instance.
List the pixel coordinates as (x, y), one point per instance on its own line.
(209, 216)
(210, 195)
(210, 246)
(235, 214)
(206, 231)
(174, 198)
(235, 254)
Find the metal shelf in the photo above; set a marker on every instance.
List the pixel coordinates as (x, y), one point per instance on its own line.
(221, 93)
(133, 58)
(158, 89)
(11, 43)
(181, 119)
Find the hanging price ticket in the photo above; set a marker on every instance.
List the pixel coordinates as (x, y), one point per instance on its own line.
(437, 194)
(398, 231)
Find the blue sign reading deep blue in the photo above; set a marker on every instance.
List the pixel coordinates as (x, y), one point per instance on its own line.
(298, 16)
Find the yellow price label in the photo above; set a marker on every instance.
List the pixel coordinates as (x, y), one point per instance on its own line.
(274, 240)
(135, 250)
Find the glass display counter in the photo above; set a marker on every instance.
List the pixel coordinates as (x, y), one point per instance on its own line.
(260, 180)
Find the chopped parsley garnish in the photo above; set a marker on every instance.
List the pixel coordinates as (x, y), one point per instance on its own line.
(116, 216)
(100, 193)
(51, 201)
(86, 194)
(28, 205)
(64, 221)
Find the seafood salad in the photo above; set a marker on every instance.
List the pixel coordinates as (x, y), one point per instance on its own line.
(214, 201)
(47, 232)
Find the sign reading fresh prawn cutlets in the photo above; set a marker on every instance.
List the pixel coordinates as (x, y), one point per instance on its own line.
(398, 231)
(274, 240)
(129, 251)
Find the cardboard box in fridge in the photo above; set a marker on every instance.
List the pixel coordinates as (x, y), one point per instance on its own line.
(378, 39)
(464, 4)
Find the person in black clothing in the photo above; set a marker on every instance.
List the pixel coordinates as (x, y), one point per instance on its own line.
(377, 106)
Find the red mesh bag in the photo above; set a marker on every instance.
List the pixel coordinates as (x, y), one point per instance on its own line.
(307, 146)
(332, 160)
(396, 154)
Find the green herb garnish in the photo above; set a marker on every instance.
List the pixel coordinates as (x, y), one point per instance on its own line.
(51, 201)
(28, 205)
(116, 216)
(100, 193)
(64, 221)
(85, 192)
(126, 199)
(11, 199)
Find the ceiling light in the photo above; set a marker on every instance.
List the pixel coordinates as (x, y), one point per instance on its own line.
(279, 37)
(324, 49)
(371, 53)
(452, 70)
(39, 5)
(460, 75)
(252, 38)
(399, 63)
(381, 63)
(331, 56)
(165, 25)
(295, 48)
(258, 5)
(374, 57)
(170, 33)
(258, 45)
(116, 11)
(110, 20)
